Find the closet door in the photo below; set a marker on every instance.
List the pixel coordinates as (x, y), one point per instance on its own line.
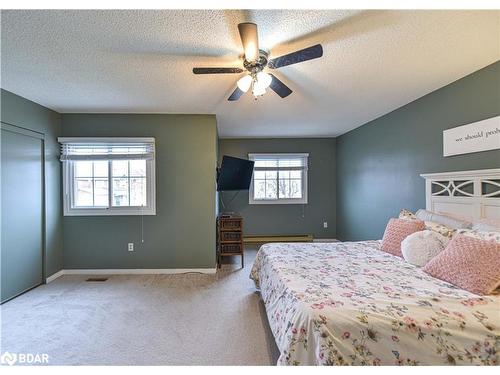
(22, 210)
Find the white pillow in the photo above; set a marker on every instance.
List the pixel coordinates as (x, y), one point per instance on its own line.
(443, 219)
(420, 247)
(482, 224)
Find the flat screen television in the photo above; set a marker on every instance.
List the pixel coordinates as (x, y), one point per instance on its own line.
(234, 174)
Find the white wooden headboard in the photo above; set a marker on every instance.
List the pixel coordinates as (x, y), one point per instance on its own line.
(475, 194)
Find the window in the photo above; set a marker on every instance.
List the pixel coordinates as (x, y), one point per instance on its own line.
(279, 178)
(108, 176)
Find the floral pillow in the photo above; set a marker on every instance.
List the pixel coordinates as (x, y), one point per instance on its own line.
(482, 235)
(442, 229)
(407, 215)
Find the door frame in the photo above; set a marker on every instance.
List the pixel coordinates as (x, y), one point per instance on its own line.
(37, 135)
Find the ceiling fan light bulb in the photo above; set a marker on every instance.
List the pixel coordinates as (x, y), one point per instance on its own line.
(264, 79)
(244, 83)
(258, 90)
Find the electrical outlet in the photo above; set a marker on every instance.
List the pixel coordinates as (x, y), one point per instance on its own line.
(325, 224)
(130, 246)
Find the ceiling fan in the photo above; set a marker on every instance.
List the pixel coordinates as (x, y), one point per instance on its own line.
(254, 62)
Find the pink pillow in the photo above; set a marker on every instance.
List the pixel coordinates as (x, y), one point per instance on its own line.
(469, 263)
(396, 231)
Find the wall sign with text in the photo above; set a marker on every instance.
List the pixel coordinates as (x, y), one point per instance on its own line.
(479, 136)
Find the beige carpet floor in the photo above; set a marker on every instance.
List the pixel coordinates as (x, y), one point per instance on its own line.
(190, 319)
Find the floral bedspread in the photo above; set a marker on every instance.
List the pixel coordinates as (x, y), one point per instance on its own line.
(351, 304)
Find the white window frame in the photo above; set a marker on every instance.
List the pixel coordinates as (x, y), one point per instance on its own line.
(69, 191)
(304, 169)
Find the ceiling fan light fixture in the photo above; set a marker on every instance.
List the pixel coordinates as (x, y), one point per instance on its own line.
(261, 82)
(264, 79)
(255, 60)
(244, 83)
(258, 90)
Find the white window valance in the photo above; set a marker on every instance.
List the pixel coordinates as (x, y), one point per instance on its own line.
(107, 148)
(279, 161)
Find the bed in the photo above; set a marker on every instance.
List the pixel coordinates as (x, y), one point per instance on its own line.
(352, 304)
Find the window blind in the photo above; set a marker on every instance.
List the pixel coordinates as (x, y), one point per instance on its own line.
(281, 162)
(107, 148)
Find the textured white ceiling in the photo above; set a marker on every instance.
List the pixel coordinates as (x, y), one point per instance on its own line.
(141, 61)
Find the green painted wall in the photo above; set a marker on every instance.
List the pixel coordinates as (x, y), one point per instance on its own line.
(182, 234)
(379, 163)
(23, 113)
(283, 219)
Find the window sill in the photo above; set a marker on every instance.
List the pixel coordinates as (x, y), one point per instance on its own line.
(106, 212)
(279, 201)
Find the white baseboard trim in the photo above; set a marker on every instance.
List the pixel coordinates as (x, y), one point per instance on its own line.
(54, 276)
(325, 240)
(132, 271)
(138, 271)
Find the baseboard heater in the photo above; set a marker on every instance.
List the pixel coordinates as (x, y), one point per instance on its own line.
(265, 239)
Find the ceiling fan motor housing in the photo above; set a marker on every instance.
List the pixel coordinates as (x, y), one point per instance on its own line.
(256, 60)
(258, 65)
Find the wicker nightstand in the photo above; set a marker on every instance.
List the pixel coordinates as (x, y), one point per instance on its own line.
(229, 237)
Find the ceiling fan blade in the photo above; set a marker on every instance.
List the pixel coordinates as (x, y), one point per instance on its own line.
(235, 95)
(279, 87)
(217, 70)
(305, 54)
(249, 40)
